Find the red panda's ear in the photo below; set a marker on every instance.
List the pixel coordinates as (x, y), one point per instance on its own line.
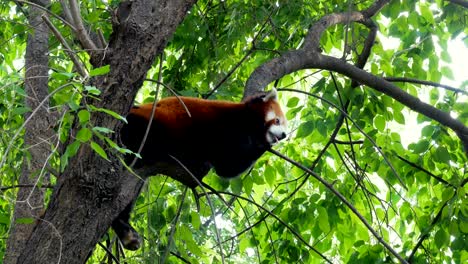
(271, 95)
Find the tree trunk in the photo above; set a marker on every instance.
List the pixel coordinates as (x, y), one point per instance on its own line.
(93, 191)
(30, 201)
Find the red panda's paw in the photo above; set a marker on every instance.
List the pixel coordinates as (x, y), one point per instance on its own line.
(131, 240)
(127, 235)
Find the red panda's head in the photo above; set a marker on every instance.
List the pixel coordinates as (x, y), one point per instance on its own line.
(274, 122)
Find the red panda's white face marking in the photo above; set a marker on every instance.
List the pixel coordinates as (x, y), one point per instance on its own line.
(277, 126)
(274, 119)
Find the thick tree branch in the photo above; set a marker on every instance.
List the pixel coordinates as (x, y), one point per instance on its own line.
(309, 57)
(462, 3)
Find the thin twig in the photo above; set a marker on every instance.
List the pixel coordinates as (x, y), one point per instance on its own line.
(174, 226)
(402, 183)
(218, 236)
(20, 129)
(48, 12)
(153, 107)
(249, 52)
(412, 80)
(174, 93)
(109, 252)
(345, 201)
(440, 179)
(5, 188)
(294, 232)
(426, 232)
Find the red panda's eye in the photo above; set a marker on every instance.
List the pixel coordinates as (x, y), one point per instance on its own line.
(277, 121)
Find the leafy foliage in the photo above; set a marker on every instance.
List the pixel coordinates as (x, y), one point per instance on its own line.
(403, 172)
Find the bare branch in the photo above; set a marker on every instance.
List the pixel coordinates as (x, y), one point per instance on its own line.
(411, 80)
(438, 178)
(76, 61)
(101, 39)
(80, 31)
(48, 12)
(66, 11)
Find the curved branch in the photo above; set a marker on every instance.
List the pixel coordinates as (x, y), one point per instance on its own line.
(303, 57)
(309, 57)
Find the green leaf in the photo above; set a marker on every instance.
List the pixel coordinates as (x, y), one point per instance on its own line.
(428, 130)
(270, 175)
(305, 129)
(323, 223)
(399, 117)
(463, 225)
(72, 149)
(83, 116)
(447, 194)
(104, 130)
(441, 238)
(447, 72)
(92, 90)
(4, 219)
(109, 112)
(95, 146)
(63, 76)
(420, 147)
(248, 185)
(426, 13)
(100, 71)
(195, 220)
(442, 155)
(25, 220)
(292, 102)
(236, 185)
(379, 123)
(84, 134)
(20, 110)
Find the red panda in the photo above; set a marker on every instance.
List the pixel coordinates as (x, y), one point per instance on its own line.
(226, 136)
(201, 134)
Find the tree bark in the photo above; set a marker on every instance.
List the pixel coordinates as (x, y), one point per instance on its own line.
(92, 191)
(30, 201)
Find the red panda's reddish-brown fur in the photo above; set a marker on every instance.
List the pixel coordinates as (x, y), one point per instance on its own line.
(227, 136)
